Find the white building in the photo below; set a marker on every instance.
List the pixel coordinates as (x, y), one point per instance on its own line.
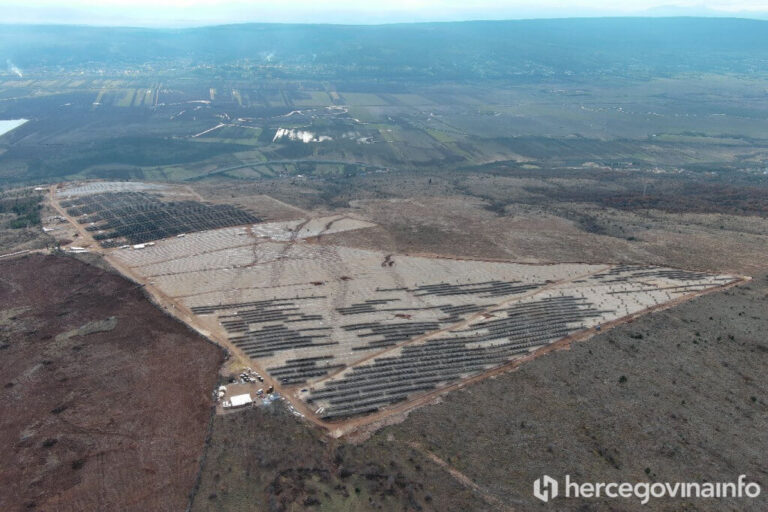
(240, 400)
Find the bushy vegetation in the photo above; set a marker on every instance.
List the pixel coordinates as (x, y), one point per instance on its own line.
(26, 208)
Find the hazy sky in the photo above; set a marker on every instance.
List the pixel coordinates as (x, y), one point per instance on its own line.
(197, 12)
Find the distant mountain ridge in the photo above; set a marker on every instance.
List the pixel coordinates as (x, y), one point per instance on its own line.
(515, 50)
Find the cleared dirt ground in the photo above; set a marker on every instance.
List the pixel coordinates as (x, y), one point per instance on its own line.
(558, 215)
(105, 401)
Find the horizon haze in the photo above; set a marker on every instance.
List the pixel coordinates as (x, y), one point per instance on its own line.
(193, 13)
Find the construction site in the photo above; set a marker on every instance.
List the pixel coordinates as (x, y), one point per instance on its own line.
(348, 336)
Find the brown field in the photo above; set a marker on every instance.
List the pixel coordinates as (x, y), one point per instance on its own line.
(105, 400)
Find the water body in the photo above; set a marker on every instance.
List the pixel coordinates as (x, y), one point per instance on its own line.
(10, 124)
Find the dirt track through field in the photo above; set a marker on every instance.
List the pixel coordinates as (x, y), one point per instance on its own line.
(463, 479)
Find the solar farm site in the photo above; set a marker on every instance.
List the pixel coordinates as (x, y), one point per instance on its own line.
(346, 333)
(133, 215)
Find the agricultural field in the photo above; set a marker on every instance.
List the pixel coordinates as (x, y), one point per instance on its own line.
(175, 129)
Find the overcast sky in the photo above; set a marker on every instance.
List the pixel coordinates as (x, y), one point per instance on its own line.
(203, 12)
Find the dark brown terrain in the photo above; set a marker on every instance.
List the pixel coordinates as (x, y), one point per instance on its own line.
(105, 401)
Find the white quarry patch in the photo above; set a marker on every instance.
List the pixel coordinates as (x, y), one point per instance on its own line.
(299, 135)
(355, 136)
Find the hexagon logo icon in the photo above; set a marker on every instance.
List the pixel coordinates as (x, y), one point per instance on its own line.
(545, 488)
